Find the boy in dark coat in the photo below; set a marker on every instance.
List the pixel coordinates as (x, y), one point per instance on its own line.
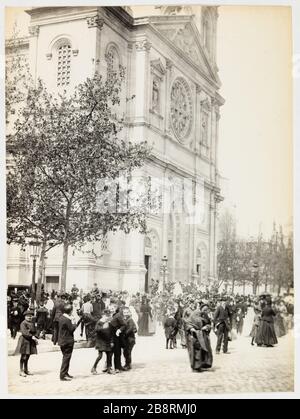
(104, 341)
(170, 326)
(27, 343)
(128, 337)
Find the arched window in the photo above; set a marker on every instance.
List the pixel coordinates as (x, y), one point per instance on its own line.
(63, 63)
(113, 61)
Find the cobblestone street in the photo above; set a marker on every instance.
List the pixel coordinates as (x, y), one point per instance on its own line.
(157, 371)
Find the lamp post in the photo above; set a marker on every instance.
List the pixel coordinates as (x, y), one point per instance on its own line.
(34, 253)
(164, 267)
(227, 279)
(256, 276)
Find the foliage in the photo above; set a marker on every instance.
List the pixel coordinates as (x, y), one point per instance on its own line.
(68, 154)
(256, 261)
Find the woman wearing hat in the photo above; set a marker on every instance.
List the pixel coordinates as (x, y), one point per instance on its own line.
(27, 342)
(266, 332)
(198, 328)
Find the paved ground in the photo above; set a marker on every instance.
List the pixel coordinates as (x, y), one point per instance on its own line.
(157, 371)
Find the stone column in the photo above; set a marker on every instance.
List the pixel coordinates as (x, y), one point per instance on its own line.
(129, 103)
(95, 24)
(169, 67)
(165, 224)
(217, 142)
(33, 50)
(211, 236)
(198, 120)
(141, 82)
(133, 267)
(215, 241)
(212, 145)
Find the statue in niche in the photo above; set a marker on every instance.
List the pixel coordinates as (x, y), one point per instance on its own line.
(204, 129)
(155, 97)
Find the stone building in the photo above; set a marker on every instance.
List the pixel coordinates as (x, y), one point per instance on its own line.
(170, 58)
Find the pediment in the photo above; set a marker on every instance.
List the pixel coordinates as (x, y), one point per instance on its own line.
(184, 36)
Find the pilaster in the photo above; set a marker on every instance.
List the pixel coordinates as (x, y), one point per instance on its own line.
(142, 80)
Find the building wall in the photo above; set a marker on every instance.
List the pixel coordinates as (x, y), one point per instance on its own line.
(161, 64)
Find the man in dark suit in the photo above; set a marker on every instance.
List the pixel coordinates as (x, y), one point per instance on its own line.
(56, 314)
(127, 337)
(67, 326)
(222, 325)
(118, 326)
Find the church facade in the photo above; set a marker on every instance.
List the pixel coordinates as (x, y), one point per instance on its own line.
(169, 56)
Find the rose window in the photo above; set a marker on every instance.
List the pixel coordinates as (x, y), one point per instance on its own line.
(181, 109)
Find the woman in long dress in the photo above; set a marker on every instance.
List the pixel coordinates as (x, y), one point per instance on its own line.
(279, 323)
(198, 328)
(266, 332)
(144, 314)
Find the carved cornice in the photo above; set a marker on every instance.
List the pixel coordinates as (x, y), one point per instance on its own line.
(143, 45)
(130, 46)
(95, 22)
(34, 30)
(198, 89)
(169, 64)
(157, 64)
(205, 104)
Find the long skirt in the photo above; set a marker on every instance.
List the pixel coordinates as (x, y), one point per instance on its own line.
(254, 330)
(143, 325)
(279, 326)
(266, 334)
(152, 325)
(199, 358)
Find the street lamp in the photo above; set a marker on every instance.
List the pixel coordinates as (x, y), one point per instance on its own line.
(44, 272)
(34, 246)
(256, 274)
(164, 267)
(227, 279)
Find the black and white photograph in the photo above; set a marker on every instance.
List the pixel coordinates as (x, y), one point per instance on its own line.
(149, 200)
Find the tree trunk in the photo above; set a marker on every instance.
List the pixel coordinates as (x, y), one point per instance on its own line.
(63, 280)
(232, 288)
(33, 282)
(64, 268)
(41, 270)
(279, 289)
(244, 288)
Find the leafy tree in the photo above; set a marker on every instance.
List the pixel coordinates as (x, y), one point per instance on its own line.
(68, 154)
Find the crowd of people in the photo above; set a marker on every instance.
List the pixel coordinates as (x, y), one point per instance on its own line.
(109, 321)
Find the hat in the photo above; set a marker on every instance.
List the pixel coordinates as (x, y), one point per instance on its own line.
(29, 313)
(203, 305)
